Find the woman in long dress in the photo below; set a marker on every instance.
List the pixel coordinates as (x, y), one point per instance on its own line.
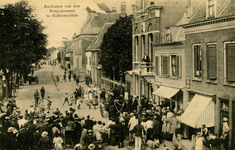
(90, 97)
(199, 142)
(57, 140)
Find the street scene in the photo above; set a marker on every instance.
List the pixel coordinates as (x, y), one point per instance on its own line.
(117, 74)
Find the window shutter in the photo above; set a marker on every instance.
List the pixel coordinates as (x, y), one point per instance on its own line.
(168, 66)
(156, 65)
(195, 60)
(165, 66)
(211, 62)
(230, 62)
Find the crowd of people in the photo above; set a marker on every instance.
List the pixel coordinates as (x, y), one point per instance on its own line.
(130, 119)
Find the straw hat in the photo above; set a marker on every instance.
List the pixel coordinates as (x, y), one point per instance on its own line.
(91, 146)
(78, 146)
(225, 119)
(44, 133)
(10, 129)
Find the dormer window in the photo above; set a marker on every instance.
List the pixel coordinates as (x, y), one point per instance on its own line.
(211, 8)
(168, 35)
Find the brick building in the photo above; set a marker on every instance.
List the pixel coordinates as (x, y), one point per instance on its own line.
(149, 24)
(210, 63)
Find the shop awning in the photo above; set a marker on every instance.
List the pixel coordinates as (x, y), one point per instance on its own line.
(199, 111)
(166, 92)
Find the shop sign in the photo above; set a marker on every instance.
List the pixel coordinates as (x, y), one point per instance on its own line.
(187, 82)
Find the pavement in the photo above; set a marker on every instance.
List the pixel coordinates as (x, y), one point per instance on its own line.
(47, 78)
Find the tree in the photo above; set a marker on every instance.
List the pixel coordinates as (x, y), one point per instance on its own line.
(22, 41)
(116, 48)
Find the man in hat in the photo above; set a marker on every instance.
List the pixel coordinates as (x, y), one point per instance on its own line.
(225, 131)
(77, 129)
(42, 91)
(10, 140)
(89, 138)
(44, 143)
(89, 123)
(36, 97)
(138, 130)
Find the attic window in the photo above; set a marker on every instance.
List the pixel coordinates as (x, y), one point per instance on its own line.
(211, 8)
(168, 35)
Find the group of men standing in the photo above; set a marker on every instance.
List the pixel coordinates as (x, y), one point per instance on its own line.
(37, 97)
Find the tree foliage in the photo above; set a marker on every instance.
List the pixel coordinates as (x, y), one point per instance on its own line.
(116, 47)
(22, 40)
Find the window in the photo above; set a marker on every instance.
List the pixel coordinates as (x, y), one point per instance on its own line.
(175, 65)
(142, 46)
(136, 47)
(230, 62)
(157, 13)
(90, 60)
(157, 65)
(168, 35)
(142, 27)
(197, 60)
(211, 8)
(151, 47)
(164, 65)
(211, 62)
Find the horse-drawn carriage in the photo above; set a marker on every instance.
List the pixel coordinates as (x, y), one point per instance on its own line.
(32, 79)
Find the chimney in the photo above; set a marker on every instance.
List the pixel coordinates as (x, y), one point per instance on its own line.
(114, 10)
(123, 9)
(151, 3)
(189, 9)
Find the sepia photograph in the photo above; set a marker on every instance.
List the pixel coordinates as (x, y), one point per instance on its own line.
(117, 74)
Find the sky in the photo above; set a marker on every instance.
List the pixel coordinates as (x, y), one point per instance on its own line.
(59, 29)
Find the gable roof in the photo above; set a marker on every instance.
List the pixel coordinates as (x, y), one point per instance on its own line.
(104, 7)
(96, 21)
(95, 45)
(224, 8)
(228, 10)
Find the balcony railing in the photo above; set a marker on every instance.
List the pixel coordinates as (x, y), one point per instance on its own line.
(146, 68)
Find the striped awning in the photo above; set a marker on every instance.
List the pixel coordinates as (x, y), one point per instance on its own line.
(199, 111)
(166, 92)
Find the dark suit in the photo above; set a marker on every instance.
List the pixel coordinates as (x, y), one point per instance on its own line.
(146, 58)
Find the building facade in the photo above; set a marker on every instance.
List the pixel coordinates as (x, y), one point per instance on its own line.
(209, 63)
(89, 32)
(92, 56)
(149, 24)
